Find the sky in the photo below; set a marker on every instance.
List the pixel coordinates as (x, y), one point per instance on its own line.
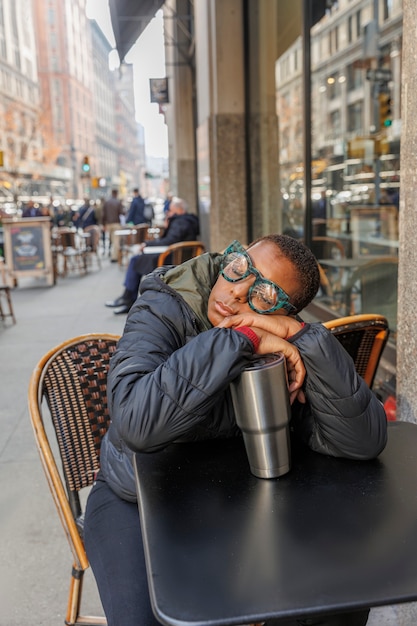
(148, 59)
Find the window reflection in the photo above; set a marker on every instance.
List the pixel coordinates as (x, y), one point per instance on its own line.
(355, 156)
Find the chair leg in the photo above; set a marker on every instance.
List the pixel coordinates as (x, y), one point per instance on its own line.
(3, 315)
(9, 302)
(73, 617)
(74, 597)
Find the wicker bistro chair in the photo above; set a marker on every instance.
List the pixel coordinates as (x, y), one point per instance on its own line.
(67, 396)
(129, 243)
(93, 244)
(364, 337)
(177, 253)
(72, 251)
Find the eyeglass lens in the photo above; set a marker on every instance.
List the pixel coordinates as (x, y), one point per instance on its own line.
(263, 295)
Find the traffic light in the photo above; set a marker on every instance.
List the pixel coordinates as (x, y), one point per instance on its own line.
(86, 165)
(385, 112)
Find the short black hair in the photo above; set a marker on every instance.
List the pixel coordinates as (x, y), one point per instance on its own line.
(305, 264)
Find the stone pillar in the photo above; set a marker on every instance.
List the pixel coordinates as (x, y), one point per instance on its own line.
(237, 125)
(407, 283)
(263, 153)
(181, 110)
(221, 141)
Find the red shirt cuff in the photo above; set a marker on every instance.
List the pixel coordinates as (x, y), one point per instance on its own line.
(250, 334)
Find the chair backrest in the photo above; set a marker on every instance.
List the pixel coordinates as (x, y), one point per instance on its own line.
(95, 236)
(327, 248)
(141, 234)
(67, 237)
(180, 252)
(372, 288)
(364, 337)
(326, 289)
(72, 379)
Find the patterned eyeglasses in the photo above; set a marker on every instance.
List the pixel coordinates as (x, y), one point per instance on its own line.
(264, 296)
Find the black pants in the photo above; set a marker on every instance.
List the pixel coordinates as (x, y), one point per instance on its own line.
(113, 543)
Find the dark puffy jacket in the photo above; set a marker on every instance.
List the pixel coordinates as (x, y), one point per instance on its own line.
(183, 227)
(169, 379)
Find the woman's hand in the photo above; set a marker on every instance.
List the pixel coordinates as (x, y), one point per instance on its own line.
(272, 331)
(280, 325)
(295, 367)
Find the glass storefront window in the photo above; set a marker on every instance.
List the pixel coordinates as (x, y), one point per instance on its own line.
(355, 165)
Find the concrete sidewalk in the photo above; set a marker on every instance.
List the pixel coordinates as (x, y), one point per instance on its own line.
(35, 558)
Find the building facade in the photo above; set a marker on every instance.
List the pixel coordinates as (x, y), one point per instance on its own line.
(68, 121)
(22, 120)
(65, 68)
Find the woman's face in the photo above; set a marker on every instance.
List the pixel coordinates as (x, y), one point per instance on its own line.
(227, 298)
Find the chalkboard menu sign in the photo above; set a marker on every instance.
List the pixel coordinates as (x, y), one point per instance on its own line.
(27, 244)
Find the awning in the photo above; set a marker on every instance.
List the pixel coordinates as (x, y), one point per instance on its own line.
(129, 19)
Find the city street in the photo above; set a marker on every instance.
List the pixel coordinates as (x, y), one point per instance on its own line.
(36, 560)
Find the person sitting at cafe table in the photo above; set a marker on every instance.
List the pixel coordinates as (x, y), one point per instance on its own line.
(179, 226)
(192, 331)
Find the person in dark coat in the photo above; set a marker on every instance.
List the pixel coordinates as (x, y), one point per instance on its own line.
(136, 214)
(85, 216)
(180, 226)
(192, 331)
(111, 218)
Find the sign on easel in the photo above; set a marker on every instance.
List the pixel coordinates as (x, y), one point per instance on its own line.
(27, 247)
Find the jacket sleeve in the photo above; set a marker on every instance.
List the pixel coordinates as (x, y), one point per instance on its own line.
(165, 385)
(342, 417)
(130, 218)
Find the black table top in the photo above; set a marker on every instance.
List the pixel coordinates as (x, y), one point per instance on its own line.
(224, 547)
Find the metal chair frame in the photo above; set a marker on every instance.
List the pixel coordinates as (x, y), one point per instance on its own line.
(68, 391)
(180, 252)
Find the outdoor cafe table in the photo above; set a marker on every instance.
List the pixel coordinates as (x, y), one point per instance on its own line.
(223, 547)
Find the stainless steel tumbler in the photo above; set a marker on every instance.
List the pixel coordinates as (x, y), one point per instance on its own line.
(262, 407)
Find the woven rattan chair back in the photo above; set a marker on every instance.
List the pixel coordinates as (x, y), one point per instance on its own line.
(364, 337)
(68, 389)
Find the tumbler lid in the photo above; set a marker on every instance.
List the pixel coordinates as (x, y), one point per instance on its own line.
(265, 360)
